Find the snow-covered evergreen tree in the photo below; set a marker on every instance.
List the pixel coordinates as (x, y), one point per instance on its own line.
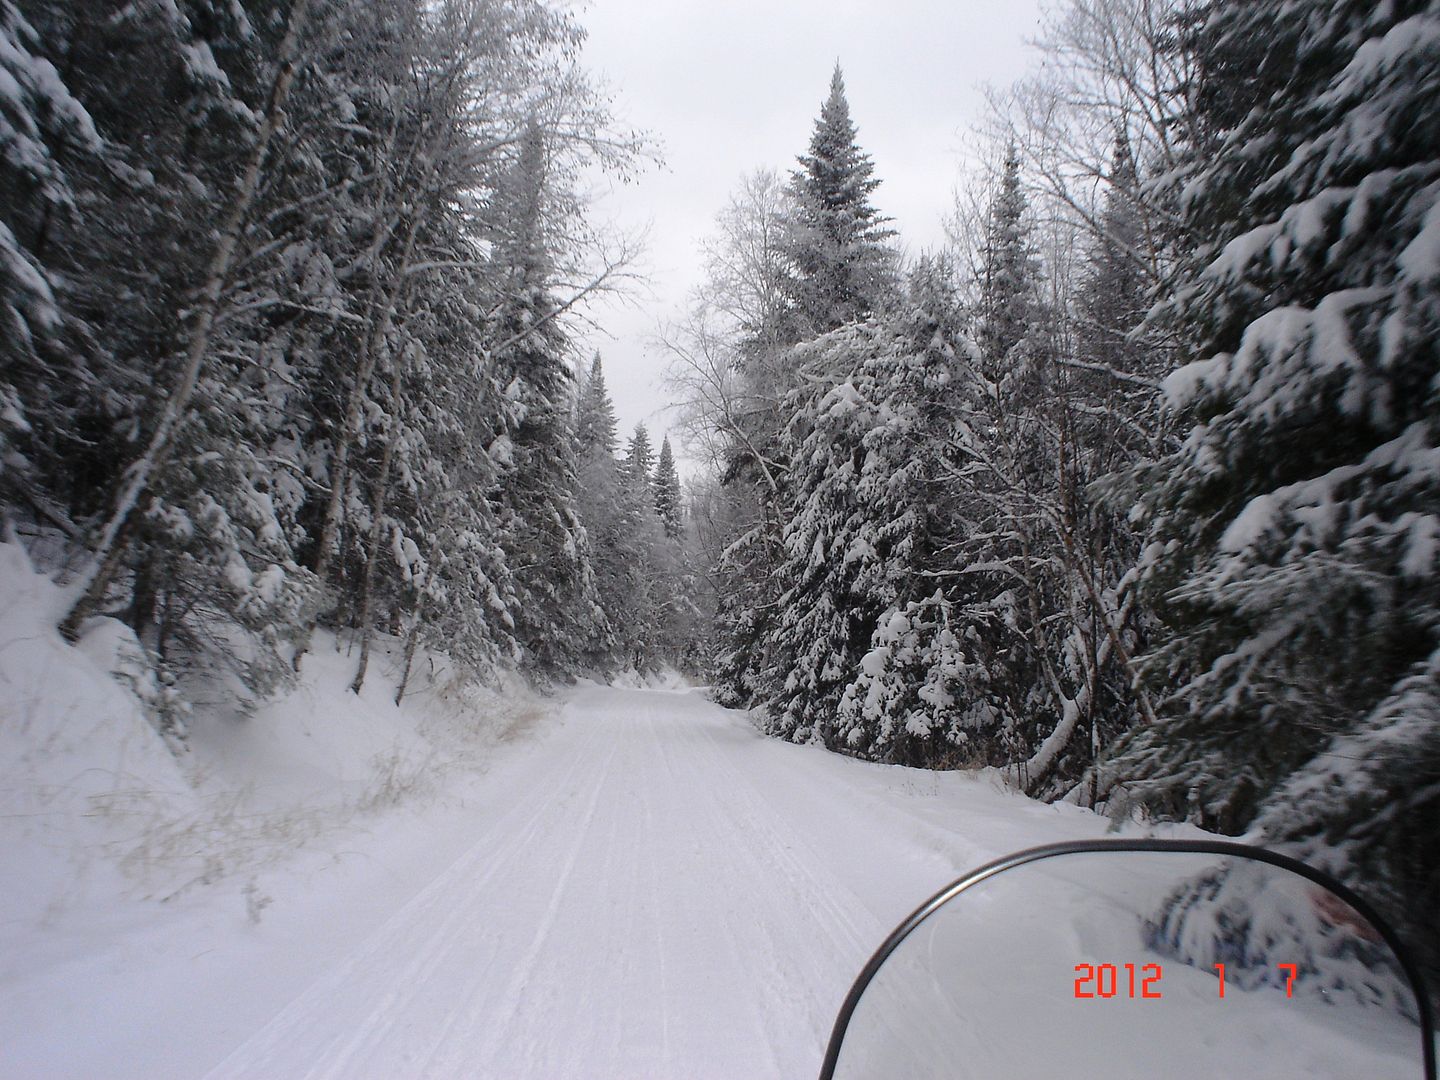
(638, 466)
(595, 424)
(41, 124)
(1008, 316)
(605, 508)
(745, 600)
(1297, 523)
(451, 583)
(1005, 485)
(864, 654)
(557, 615)
(176, 488)
(840, 266)
(667, 490)
(642, 567)
(1114, 294)
(652, 576)
(833, 266)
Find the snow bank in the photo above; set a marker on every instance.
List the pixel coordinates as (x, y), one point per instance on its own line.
(103, 812)
(83, 773)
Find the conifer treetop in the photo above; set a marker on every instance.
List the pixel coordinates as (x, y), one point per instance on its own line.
(1009, 268)
(836, 174)
(840, 266)
(639, 458)
(595, 423)
(667, 490)
(519, 206)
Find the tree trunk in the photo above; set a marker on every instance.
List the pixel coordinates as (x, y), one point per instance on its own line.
(145, 601)
(377, 525)
(412, 638)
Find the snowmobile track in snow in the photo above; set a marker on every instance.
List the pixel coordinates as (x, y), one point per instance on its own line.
(660, 892)
(638, 907)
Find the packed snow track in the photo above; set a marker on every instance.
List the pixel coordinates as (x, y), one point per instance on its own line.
(662, 893)
(640, 885)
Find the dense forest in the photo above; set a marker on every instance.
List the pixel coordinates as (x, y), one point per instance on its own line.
(285, 294)
(1130, 492)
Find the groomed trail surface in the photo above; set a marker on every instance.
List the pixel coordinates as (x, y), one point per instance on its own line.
(660, 893)
(638, 885)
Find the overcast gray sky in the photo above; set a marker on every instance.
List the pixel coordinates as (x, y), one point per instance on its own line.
(733, 85)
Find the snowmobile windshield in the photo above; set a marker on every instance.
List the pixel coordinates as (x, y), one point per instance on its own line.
(1187, 960)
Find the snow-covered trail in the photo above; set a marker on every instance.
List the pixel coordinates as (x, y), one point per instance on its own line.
(664, 894)
(637, 885)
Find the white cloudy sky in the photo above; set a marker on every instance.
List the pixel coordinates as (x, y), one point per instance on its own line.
(731, 85)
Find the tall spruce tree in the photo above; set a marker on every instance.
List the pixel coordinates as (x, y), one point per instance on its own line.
(840, 266)
(1113, 295)
(595, 424)
(605, 510)
(638, 468)
(667, 490)
(1008, 310)
(1300, 576)
(835, 267)
(557, 616)
(864, 543)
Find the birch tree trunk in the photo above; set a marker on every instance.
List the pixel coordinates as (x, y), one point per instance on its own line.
(89, 588)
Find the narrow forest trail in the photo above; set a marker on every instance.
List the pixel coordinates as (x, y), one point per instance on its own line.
(661, 892)
(635, 884)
